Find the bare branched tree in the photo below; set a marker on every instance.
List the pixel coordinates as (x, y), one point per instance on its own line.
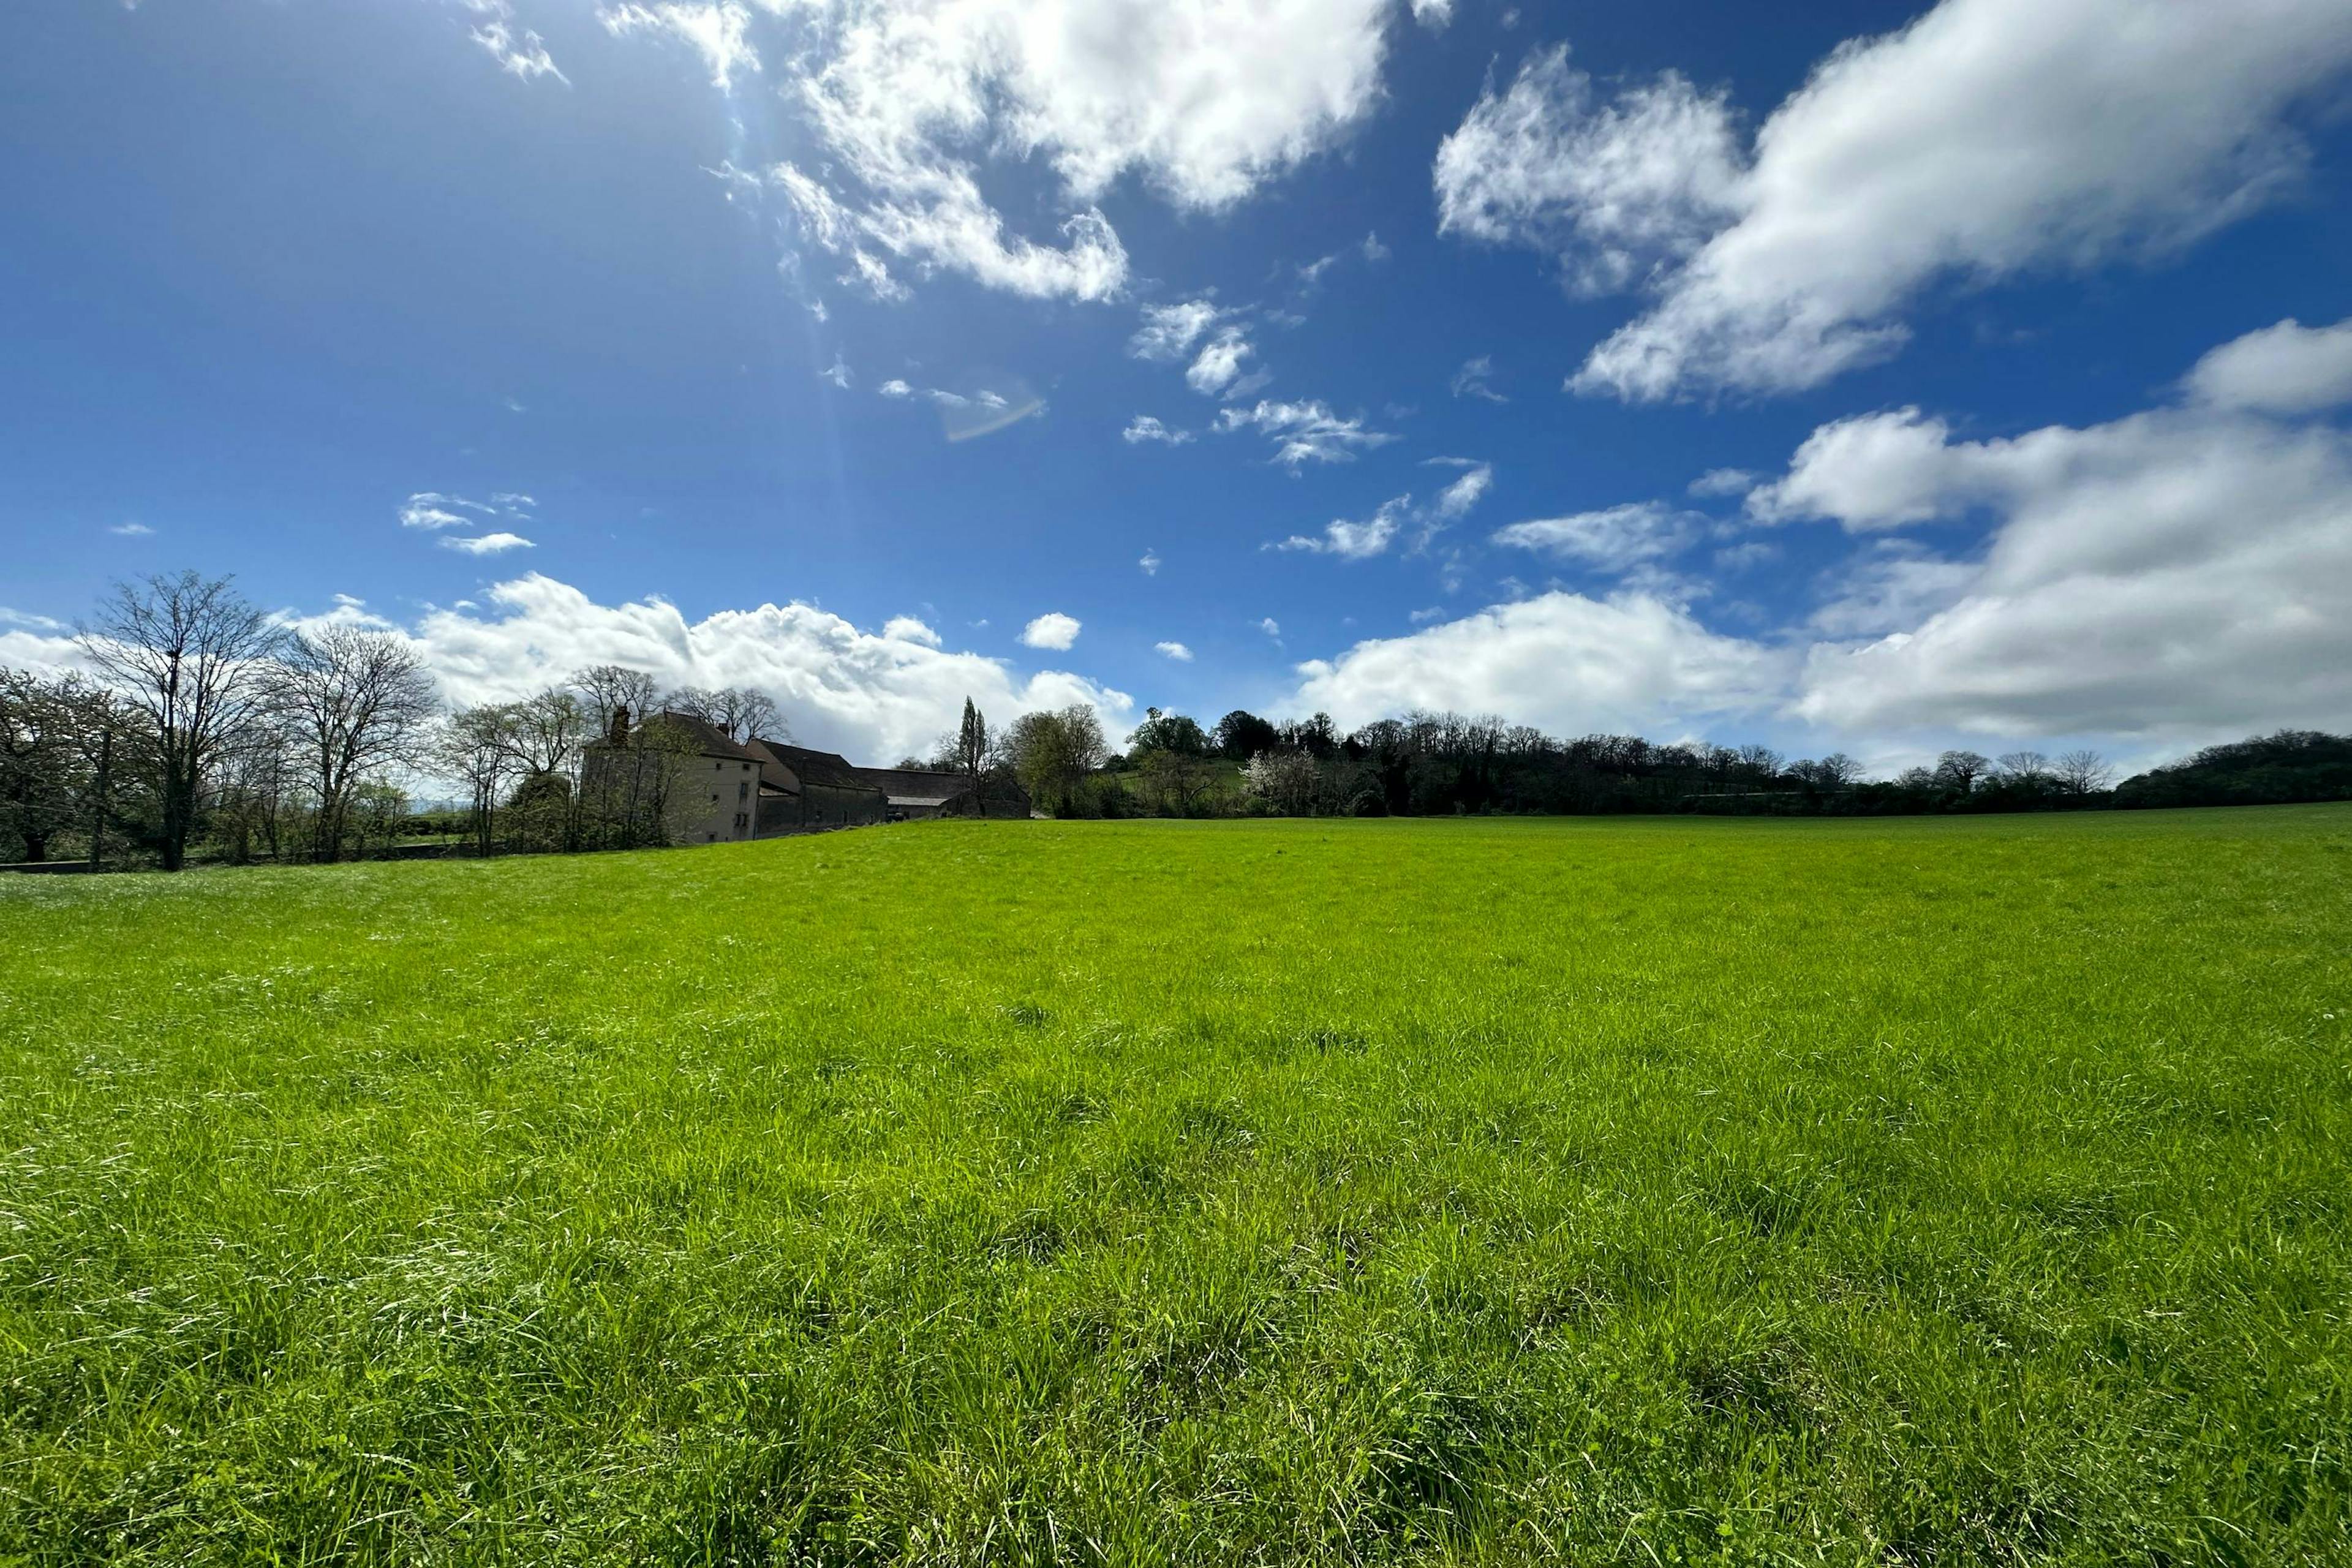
(549, 736)
(356, 701)
(2085, 772)
(751, 713)
(1960, 769)
(476, 747)
(611, 688)
(548, 730)
(256, 789)
(189, 655)
(2023, 767)
(739, 713)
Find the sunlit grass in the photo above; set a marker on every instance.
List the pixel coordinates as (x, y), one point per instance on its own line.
(1640, 1192)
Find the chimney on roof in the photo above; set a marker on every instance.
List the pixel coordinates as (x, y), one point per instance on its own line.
(619, 733)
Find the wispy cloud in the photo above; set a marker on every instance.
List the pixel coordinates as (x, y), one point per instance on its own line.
(433, 510)
(1145, 427)
(1724, 482)
(1218, 367)
(131, 530)
(25, 618)
(1353, 540)
(1151, 564)
(964, 416)
(1168, 331)
(427, 510)
(1616, 539)
(1175, 650)
(717, 32)
(1455, 502)
(1307, 432)
(1474, 379)
(486, 544)
(517, 49)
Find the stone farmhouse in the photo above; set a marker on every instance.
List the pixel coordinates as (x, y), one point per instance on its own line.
(730, 790)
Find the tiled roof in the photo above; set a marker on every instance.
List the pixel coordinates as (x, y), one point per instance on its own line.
(825, 768)
(917, 787)
(709, 740)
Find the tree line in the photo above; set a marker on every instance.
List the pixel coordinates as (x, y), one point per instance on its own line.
(1425, 763)
(209, 726)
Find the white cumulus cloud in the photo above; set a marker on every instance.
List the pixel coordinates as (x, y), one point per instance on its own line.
(1174, 650)
(909, 104)
(1051, 630)
(1986, 139)
(2284, 369)
(870, 696)
(2182, 572)
(1611, 189)
(1565, 662)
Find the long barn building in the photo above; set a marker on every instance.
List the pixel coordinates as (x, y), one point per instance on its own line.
(760, 788)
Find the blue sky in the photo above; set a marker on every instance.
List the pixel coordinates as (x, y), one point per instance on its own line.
(815, 335)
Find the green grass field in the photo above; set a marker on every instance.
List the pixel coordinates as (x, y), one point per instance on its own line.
(1645, 1192)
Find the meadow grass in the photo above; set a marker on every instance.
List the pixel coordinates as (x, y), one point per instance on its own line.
(1657, 1192)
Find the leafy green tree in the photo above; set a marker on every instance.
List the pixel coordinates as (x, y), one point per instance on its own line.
(47, 757)
(1241, 735)
(971, 755)
(1168, 732)
(1053, 752)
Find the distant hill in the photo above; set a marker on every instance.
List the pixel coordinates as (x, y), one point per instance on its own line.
(2292, 765)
